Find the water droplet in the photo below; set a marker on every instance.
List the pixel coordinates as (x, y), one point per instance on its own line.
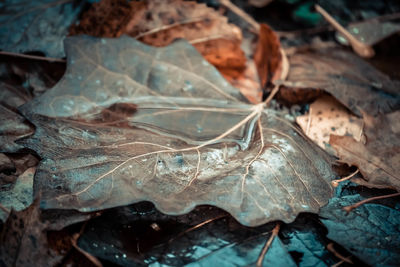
(199, 128)
(80, 78)
(103, 41)
(95, 245)
(356, 30)
(116, 256)
(187, 87)
(98, 82)
(123, 255)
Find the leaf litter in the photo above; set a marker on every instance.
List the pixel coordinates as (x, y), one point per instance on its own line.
(120, 115)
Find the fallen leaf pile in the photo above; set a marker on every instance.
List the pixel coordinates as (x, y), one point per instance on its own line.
(167, 137)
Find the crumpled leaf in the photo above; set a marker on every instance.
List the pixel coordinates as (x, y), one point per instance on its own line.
(23, 241)
(351, 80)
(160, 22)
(19, 195)
(379, 158)
(327, 116)
(129, 122)
(27, 26)
(371, 232)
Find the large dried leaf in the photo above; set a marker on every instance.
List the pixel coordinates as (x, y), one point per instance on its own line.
(379, 158)
(41, 25)
(371, 232)
(129, 122)
(351, 80)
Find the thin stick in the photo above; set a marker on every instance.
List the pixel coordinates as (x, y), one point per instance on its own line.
(360, 48)
(51, 59)
(274, 233)
(197, 226)
(356, 205)
(335, 183)
(337, 254)
(228, 4)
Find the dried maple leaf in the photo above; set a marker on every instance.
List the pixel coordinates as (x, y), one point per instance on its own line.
(378, 159)
(355, 83)
(160, 22)
(41, 25)
(129, 122)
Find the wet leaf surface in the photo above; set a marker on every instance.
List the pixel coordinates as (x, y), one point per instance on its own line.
(178, 143)
(371, 232)
(379, 158)
(37, 26)
(352, 81)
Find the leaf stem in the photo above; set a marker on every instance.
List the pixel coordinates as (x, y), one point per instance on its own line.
(335, 183)
(348, 209)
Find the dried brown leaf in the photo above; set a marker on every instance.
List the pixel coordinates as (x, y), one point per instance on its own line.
(379, 159)
(352, 81)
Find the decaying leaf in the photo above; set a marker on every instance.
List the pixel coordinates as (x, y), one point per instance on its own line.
(378, 159)
(23, 241)
(19, 195)
(370, 232)
(348, 78)
(12, 125)
(129, 122)
(27, 26)
(327, 116)
(160, 22)
(267, 56)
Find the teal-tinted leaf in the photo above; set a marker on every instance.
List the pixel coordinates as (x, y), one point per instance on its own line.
(38, 26)
(371, 232)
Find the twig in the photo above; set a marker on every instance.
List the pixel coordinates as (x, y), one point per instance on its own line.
(335, 183)
(348, 209)
(51, 59)
(197, 226)
(274, 233)
(360, 48)
(337, 254)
